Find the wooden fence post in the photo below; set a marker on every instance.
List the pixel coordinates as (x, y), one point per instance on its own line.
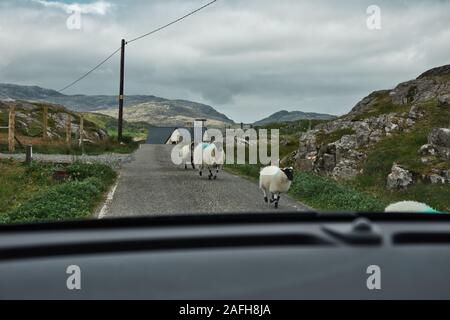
(69, 130)
(45, 122)
(11, 128)
(28, 154)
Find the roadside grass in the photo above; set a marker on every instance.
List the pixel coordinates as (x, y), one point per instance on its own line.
(30, 194)
(320, 193)
(402, 148)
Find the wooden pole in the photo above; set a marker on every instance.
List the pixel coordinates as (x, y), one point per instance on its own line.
(28, 154)
(81, 130)
(121, 93)
(11, 129)
(69, 130)
(45, 122)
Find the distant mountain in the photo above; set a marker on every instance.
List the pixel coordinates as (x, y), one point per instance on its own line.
(155, 110)
(286, 116)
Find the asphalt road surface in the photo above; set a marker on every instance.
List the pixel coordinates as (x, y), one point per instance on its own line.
(152, 185)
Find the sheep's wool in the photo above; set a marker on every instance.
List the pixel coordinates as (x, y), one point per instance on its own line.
(410, 206)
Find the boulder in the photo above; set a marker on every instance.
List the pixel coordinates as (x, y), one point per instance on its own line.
(438, 176)
(444, 100)
(440, 137)
(428, 150)
(415, 113)
(399, 178)
(308, 142)
(376, 136)
(305, 165)
(345, 170)
(329, 162)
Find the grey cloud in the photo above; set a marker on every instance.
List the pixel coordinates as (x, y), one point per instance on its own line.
(247, 58)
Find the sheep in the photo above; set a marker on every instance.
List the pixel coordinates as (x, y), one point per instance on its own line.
(208, 155)
(187, 155)
(410, 206)
(274, 181)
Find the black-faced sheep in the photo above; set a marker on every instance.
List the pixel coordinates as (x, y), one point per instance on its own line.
(274, 181)
(209, 156)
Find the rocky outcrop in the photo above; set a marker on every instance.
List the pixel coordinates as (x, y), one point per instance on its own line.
(377, 116)
(438, 145)
(399, 178)
(444, 100)
(438, 177)
(341, 158)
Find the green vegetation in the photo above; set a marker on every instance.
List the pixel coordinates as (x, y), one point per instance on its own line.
(324, 139)
(135, 130)
(294, 127)
(382, 104)
(30, 194)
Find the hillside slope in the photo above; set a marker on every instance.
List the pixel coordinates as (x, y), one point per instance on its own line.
(175, 113)
(29, 121)
(175, 110)
(286, 116)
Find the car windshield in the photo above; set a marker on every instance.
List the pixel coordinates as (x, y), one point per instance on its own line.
(113, 109)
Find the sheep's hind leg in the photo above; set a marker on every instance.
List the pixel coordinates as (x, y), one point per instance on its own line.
(277, 201)
(210, 174)
(266, 199)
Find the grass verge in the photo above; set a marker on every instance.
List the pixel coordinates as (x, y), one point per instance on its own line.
(319, 192)
(30, 194)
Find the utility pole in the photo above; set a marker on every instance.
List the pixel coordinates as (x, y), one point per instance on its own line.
(11, 128)
(121, 96)
(45, 123)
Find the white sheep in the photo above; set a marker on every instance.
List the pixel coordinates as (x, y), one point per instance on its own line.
(274, 181)
(187, 156)
(410, 207)
(209, 156)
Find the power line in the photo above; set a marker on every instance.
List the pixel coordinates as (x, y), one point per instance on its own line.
(90, 71)
(173, 22)
(133, 40)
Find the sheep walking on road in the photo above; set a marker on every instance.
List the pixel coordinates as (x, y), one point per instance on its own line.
(274, 181)
(187, 155)
(209, 156)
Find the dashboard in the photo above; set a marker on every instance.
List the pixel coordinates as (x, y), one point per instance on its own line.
(230, 257)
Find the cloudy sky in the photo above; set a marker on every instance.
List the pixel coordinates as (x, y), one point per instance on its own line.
(247, 58)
